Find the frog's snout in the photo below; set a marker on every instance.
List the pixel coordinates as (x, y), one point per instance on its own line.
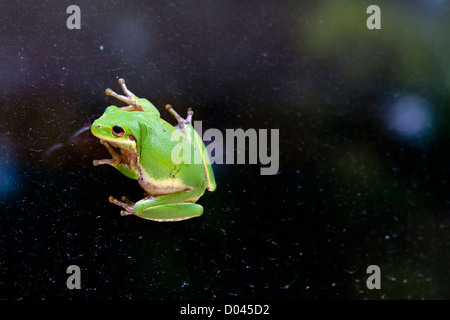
(95, 127)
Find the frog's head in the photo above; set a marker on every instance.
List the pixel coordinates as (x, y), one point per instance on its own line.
(116, 127)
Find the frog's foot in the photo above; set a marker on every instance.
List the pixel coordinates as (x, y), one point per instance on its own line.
(125, 203)
(115, 156)
(181, 121)
(130, 98)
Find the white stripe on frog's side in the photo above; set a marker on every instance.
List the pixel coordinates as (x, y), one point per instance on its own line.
(159, 187)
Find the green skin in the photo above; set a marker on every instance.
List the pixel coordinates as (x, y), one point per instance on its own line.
(146, 146)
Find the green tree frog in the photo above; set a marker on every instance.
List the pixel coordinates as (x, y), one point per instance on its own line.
(141, 145)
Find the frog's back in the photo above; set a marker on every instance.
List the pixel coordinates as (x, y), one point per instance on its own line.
(159, 134)
(206, 162)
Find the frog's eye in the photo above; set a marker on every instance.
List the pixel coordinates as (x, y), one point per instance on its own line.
(118, 131)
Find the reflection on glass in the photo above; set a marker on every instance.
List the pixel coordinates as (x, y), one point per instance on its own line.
(410, 117)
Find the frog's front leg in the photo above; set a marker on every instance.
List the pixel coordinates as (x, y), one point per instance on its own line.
(115, 156)
(126, 204)
(172, 207)
(116, 162)
(134, 103)
(181, 121)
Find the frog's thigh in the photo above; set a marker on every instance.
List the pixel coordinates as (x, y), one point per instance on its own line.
(172, 198)
(172, 212)
(170, 207)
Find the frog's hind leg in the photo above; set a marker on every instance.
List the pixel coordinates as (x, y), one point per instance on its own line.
(172, 212)
(181, 121)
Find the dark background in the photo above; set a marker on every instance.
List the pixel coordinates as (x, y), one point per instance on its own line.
(364, 173)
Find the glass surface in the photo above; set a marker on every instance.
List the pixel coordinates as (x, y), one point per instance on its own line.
(363, 119)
